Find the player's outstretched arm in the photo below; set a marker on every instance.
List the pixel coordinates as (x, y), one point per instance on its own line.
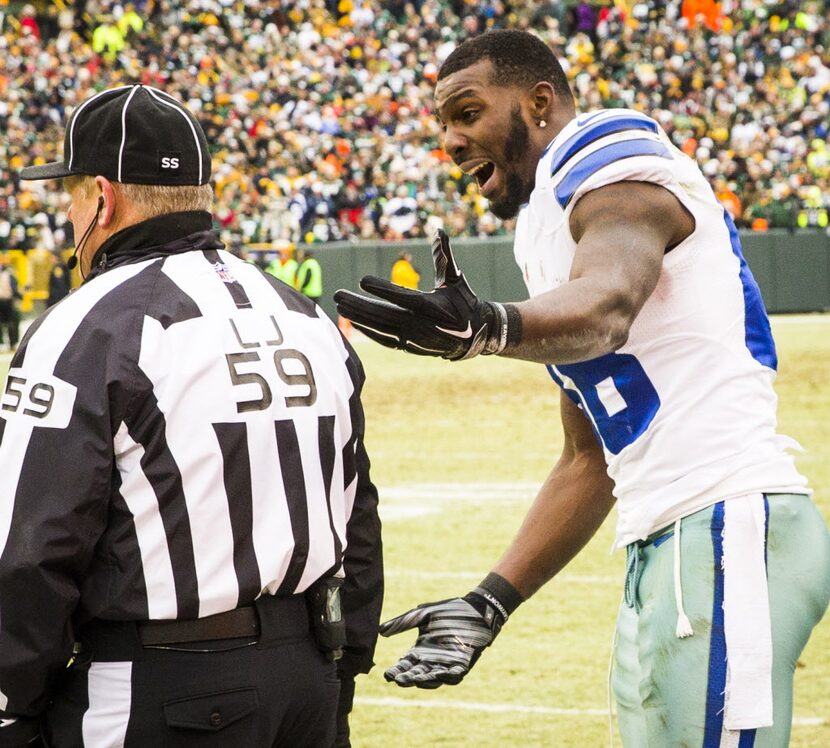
(569, 509)
(622, 232)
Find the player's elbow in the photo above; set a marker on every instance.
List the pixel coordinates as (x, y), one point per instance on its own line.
(615, 338)
(616, 314)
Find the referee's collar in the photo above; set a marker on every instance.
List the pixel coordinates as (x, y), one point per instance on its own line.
(160, 236)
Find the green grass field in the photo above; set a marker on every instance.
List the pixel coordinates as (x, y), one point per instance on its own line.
(457, 453)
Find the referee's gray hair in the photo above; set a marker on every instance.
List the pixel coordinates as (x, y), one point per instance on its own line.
(152, 199)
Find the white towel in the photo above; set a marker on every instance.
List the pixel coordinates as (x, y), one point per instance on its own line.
(747, 625)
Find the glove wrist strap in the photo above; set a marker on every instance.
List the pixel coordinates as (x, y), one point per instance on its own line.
(507, 328)
(502, 595)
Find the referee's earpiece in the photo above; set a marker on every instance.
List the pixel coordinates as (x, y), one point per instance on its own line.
(72, 262)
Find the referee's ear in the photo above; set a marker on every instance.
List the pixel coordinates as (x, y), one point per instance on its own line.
(110, 211)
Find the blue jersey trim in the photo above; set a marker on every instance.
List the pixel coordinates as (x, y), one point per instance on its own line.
(572, 394)
(601, 158)
(588, 135)
(716, 687)
(758, 333)
(629, 378)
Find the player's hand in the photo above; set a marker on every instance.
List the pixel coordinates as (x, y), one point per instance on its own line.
(450, 321)
(452, 634)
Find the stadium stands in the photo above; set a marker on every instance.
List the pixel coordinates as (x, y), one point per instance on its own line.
(319, 111)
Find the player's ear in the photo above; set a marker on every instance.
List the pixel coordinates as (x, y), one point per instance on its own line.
(542, 101)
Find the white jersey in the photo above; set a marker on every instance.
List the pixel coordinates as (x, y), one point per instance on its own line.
(685, 410)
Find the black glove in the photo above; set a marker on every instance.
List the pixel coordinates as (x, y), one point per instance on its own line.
(449, 321)
(452, 634)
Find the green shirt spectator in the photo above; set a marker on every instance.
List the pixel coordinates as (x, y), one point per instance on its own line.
(107, 40)
(130, 22)
(310, 277)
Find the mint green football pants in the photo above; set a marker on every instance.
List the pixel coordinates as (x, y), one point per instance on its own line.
(670, 691)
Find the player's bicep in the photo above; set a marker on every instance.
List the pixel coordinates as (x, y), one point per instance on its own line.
(622, 231)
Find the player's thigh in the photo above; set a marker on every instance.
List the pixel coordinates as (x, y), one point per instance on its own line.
(681, 680)
(675, 682)
(626, 677)
(798, 572)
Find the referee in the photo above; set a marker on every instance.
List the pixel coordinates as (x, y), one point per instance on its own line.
(189, 537)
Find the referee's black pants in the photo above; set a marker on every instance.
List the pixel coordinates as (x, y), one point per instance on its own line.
(276, 690)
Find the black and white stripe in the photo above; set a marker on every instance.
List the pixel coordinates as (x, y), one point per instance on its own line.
(150, 484)
(76, 114)
(124, 132)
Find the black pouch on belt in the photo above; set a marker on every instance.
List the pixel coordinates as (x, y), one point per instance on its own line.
(327, 621)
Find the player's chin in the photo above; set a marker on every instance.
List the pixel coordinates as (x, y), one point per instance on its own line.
(507, 201)
(506, 206)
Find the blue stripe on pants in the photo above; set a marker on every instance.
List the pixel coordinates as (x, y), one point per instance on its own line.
(747, 739)
(716, 688)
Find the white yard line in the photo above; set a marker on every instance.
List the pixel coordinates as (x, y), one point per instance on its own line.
(556, 711)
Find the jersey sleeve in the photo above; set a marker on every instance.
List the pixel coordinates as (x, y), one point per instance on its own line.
(67, 386)
(612, 146)
(55, 452)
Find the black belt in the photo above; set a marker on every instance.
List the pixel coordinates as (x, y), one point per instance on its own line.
(268, 619)
(232, 624)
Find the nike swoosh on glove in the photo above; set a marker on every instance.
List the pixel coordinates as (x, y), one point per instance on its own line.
(452, 634)
(450, 321)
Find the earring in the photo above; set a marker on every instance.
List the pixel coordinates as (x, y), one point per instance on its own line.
(543, 124)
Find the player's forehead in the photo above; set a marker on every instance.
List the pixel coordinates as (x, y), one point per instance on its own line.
(473, 80)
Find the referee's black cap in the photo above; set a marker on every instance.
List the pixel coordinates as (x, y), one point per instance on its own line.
(134, 134)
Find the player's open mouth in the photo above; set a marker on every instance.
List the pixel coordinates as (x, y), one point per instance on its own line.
(482, 172)
(485, 174)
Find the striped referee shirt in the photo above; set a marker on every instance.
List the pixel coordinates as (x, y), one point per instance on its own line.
(178, 437)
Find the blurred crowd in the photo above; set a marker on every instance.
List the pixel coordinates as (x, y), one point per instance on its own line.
(319, 112)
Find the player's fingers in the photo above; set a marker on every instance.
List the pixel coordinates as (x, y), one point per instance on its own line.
(401, 666)
(416, 675)
(390, 340)
(404, 297)
(430, 676)
(377, 314)
(446, 270)
(451, 676)
(422, 348)
(351, 304)
(404, 621)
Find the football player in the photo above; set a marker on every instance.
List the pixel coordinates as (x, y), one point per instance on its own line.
(649, 320)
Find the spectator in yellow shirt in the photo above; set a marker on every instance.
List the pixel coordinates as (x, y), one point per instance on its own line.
(404, 272)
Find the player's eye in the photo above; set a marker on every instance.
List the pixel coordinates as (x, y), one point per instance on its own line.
(469, 115)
